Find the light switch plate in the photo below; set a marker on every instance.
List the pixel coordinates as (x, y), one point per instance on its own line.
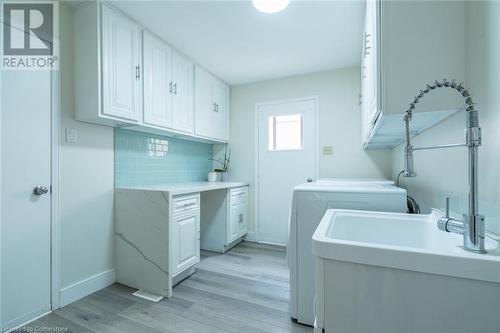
(71, 135)
(327, 150)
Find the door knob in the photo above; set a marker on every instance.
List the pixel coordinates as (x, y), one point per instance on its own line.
(40, 190)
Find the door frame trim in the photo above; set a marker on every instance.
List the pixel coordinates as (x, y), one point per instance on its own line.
(315, 99)
(55, 285)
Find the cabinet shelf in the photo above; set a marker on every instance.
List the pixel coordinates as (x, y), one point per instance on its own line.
(389, 130)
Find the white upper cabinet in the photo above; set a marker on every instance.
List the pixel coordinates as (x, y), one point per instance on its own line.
(121, 66)
(204, 105)
(408, 44)
(157, 82)
(168, 87)
(211, 106)
(369, 69)
(221, 114)
(108, 61)
(124, 75)
(183, 93)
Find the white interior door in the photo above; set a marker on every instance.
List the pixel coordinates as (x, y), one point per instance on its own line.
(286, 158)
(25, 217)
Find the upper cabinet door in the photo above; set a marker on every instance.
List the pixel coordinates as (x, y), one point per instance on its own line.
(183, 94)
(204, 104)
(372, 59)
(121, 64)
(370, 69)
(220, 92)
(158, 85)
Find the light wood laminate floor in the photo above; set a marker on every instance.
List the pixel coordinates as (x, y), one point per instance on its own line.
(243, 290)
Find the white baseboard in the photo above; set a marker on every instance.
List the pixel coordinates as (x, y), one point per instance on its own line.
(86, 287)
(251, 236)
(23, 320)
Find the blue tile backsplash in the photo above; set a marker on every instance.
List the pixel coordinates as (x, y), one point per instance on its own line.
(150, 159)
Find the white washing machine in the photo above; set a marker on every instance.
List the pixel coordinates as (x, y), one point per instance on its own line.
(309, 203)
(354, 181)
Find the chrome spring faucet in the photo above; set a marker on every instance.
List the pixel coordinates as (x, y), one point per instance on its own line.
(472, 227)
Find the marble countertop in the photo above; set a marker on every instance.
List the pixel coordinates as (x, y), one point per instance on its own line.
(184, 188)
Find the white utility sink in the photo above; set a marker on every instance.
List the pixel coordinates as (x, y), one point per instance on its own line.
(404, 241)
(390, 272)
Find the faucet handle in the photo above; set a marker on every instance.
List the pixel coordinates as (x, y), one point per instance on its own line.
(447, 207)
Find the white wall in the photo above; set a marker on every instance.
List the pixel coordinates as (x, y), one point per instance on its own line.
(86, 187)
(339, 118)
(444, 172)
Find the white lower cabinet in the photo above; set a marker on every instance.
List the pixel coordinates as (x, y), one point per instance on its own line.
(158, 234)
(185, 232)
(157, 238)
(224, 218)
(234, 225)
(238, 199)
(185, 227)
(238, 221)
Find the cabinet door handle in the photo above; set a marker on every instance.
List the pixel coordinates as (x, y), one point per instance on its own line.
(241, 218)
(137, 72)
(215, 108)
(175, 88)
(170, 87)
(367, 42)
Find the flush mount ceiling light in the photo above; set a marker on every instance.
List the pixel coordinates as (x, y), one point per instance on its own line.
(270, 6)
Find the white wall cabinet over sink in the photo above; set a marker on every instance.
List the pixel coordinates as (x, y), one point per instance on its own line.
(211, 106)
(168, 86)
(127, 77)
(408, 44)
(225, 219)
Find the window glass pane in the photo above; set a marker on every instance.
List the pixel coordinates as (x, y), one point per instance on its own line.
(285, 132)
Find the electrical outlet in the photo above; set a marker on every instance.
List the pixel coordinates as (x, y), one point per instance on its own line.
(328, 150)
(71, 135)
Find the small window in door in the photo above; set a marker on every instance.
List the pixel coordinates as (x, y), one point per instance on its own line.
(286, 132)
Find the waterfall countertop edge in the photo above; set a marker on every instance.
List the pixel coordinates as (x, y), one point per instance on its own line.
(185, 188)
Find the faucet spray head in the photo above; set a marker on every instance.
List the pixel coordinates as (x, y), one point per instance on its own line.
(409, 170)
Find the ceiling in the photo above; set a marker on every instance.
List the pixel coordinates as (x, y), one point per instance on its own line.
(240, 45)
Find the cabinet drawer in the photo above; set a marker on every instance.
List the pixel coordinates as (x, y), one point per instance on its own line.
(238, 195)
(186, 202)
